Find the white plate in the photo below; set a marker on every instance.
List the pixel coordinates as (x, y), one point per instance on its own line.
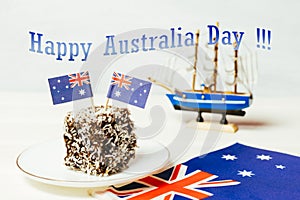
(45, 163)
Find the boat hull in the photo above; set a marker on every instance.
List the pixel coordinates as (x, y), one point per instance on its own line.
(211, 102)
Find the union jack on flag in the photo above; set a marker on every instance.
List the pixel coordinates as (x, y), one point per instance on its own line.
(128, 89)
(121, 80)
(176, 183)
(70, 87)
(241, 173)
(79, 79)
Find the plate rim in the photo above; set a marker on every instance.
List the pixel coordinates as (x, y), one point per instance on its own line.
(87, 183)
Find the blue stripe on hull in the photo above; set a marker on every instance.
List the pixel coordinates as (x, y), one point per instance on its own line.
(210, 101)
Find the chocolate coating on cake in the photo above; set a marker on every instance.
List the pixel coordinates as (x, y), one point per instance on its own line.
(100, 142)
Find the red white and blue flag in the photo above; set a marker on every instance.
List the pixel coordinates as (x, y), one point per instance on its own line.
(128, 89)
(70, 87)
(237, 172)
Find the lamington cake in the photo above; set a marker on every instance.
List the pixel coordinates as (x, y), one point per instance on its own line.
(99, 141)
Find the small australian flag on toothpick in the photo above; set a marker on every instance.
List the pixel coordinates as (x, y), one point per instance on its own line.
(128, 89)
(70, 87)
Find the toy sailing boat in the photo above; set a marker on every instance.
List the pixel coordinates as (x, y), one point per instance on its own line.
(209, 99)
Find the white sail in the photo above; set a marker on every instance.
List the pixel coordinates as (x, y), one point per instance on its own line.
(225, 80)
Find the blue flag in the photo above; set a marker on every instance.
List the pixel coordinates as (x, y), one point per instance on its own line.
(237, 172)
(70, 87)
(128, 89)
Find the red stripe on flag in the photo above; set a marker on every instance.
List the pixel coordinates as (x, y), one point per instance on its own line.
(175, 172)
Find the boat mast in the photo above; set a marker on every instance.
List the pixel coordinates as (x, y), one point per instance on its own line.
(216, 64)
(195, 60)
(235, 68)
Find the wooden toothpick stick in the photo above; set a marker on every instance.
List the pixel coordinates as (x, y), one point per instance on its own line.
(106, 104)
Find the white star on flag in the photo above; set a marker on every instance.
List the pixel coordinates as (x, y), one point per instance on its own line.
(280, 166)
(229, 157)
(82, 92)
(245, 173)
(263, 157)
(118, 93)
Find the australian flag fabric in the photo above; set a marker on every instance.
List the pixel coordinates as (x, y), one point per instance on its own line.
(237, 172)
(128, 89)
(70, 87)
